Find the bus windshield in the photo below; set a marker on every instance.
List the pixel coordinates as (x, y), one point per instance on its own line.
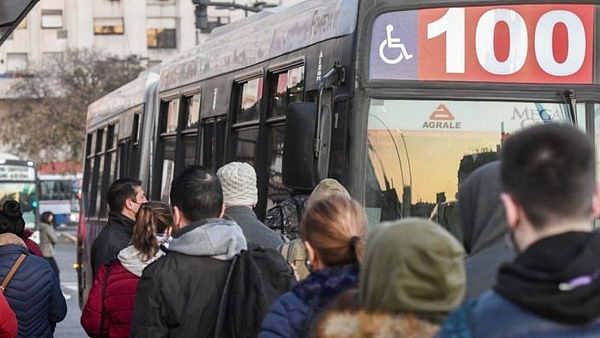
(419, 151)
(17, 182)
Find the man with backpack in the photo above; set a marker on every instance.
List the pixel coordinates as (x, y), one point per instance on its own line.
(179, 294)
(207, 274)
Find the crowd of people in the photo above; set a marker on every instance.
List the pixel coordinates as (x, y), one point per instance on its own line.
(527, 264)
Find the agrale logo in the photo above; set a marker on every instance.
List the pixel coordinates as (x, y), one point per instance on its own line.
(441, 118)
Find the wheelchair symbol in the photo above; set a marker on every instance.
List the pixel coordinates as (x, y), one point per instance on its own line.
(393, 43)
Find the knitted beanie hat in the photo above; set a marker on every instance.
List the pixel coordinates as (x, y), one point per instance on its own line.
(238, 181)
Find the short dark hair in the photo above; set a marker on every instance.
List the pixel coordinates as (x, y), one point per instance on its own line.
(550, 171)
(119, 191)
(197, 193)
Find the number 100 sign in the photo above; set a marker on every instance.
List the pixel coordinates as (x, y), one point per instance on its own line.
(520, 43)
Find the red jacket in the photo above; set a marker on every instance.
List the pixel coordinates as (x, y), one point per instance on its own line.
(8, 320)
(119, 298)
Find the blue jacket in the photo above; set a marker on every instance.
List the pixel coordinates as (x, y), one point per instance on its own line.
(492, 315)
(33, 293)
(294, 313)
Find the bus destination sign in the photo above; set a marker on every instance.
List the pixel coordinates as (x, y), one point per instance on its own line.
(519, 44)
(16, 173)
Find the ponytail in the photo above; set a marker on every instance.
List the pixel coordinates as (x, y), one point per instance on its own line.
(152, 217)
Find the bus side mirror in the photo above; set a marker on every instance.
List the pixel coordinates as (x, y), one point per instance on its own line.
(305, 150)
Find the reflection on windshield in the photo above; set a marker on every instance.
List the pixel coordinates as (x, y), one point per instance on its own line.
(420, 151)
(25, 194)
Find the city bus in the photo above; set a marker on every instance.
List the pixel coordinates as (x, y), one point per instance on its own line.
(385, 96)
(59, 194)
(18, 181)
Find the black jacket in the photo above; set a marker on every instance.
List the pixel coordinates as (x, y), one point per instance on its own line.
(179, 294)
(115, 236)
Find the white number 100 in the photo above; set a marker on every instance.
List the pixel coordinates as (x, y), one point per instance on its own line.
(453, 24)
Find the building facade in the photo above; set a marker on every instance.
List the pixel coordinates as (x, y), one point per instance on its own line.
(149, 30)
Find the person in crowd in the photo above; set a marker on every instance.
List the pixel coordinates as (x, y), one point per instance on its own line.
(294, 250)
(179, 294)
(285, 216)
(550, 197)
(48, 238)
(124, 198)
(412, 276)
(33, 292)
(333, 230)
(120, 278)
(8, 321)
(240, 196)
(484, 229)
(25, 234)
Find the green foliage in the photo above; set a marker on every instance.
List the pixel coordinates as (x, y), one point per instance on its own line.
(47, 122)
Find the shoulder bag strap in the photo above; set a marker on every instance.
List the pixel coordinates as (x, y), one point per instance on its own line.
(104, 282)
(12, 271)
(224, 299)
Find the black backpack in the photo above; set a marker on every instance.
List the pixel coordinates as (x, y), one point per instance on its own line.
(256, 278)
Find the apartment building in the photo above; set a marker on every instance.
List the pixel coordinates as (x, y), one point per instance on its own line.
(149, 30)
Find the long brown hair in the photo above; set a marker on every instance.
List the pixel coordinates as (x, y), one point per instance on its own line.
(152, 218)
(336, 228)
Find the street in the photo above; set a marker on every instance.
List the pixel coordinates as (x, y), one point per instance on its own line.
(65, 257)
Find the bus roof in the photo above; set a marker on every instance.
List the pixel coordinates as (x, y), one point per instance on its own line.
(125, 97)
(253, 40)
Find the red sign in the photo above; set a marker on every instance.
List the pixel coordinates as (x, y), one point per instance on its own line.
(518, 43)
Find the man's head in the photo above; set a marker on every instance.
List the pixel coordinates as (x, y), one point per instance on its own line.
(125, 196)
(195, 194)
(239, 184)
(549, 180)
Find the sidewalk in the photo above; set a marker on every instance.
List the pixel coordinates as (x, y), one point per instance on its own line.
(69, 233)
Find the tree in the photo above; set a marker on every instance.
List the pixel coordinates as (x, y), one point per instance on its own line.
(47, 120)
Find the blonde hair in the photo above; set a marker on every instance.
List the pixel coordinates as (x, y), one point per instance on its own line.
(336, 228)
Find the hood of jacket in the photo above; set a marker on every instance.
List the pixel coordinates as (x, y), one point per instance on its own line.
(215, 237)
(412, 265)
(481, 212)
(10, 238)
(130, 258)
(557, 277)
(372, 324)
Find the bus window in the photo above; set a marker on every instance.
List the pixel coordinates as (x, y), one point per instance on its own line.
(168, 169)
(172, 116)
(277, 191)
(247, 141)
(213, 141)
(286, 87)
(249, 102)
(192, 111)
